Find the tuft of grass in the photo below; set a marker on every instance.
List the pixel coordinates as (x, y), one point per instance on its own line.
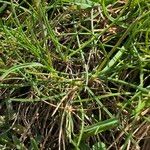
(74, 74)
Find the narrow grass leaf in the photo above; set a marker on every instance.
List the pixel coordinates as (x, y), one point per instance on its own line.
(18, 67)
(99, 127)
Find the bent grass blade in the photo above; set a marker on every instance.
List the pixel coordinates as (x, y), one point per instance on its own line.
(18, 67)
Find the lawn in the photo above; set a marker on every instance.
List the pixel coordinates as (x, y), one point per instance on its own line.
(75, 75)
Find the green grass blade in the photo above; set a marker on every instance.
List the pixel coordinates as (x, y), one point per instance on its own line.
(99, 127)
(18, 67)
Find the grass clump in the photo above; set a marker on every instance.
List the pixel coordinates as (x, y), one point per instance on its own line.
(74, 74)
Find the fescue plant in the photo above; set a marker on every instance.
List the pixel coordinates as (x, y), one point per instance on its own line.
(75, 74)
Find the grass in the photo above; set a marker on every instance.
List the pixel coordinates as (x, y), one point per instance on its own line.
(75, 75)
